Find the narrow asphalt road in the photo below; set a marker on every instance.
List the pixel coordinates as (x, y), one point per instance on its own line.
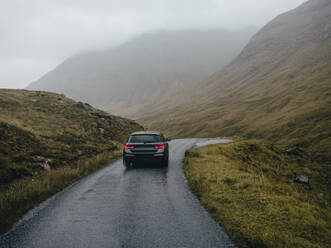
(114, 207)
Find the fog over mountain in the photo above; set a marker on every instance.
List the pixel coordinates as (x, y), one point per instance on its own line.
(126, 78)
(278, 88)
(38, 35)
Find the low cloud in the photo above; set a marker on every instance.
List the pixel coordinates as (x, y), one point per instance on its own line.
(37, 35)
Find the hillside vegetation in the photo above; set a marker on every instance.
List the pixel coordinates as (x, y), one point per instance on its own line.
(278, 88)
(44, 130)
(126, 78)
(248, 187)
(47, 142)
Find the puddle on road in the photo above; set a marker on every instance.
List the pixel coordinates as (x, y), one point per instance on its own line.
(211, 142)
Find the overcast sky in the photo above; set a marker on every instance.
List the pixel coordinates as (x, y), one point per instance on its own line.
(37, 35)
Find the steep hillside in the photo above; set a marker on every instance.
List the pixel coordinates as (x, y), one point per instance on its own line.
(278, 88)
(126, 78)
(41, 131)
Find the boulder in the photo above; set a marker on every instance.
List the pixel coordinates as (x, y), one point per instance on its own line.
(301, 179)
(82, 105)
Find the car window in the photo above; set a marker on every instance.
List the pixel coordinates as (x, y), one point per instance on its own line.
(145, 138)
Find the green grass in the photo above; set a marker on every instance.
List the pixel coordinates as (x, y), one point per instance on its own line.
(47, 142)
(247, 187)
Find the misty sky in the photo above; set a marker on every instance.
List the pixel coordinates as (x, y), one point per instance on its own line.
(39, 34)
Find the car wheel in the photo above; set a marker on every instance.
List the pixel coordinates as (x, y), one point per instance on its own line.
(126, 164)
(166, 162)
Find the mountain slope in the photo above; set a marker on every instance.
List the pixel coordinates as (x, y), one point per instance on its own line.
(278, 88)
(124, 79)
(42, 131)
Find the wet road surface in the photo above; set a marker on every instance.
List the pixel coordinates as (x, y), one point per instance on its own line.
(114, 207)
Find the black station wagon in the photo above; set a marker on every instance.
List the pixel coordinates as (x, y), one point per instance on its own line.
(147, 146)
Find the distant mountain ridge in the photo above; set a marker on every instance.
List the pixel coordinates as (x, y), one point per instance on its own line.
(124, 79)
(278, 87)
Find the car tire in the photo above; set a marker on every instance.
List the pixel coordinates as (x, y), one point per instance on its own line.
(126, 164)
(166, 162)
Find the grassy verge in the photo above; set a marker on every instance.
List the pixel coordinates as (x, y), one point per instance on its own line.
(22, 195)
(247, 187)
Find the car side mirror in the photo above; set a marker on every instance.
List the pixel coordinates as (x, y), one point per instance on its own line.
(168, 139)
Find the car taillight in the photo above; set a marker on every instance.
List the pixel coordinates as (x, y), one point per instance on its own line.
(160, 147)
(126, 147)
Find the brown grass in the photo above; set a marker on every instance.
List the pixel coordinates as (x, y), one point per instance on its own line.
(21, 195)
(247, 187)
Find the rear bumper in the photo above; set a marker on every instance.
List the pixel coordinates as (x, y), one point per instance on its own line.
(145, 157)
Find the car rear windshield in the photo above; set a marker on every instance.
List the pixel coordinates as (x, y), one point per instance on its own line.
(145, 138)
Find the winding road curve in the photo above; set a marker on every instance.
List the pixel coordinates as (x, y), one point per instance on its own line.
(114, 207)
